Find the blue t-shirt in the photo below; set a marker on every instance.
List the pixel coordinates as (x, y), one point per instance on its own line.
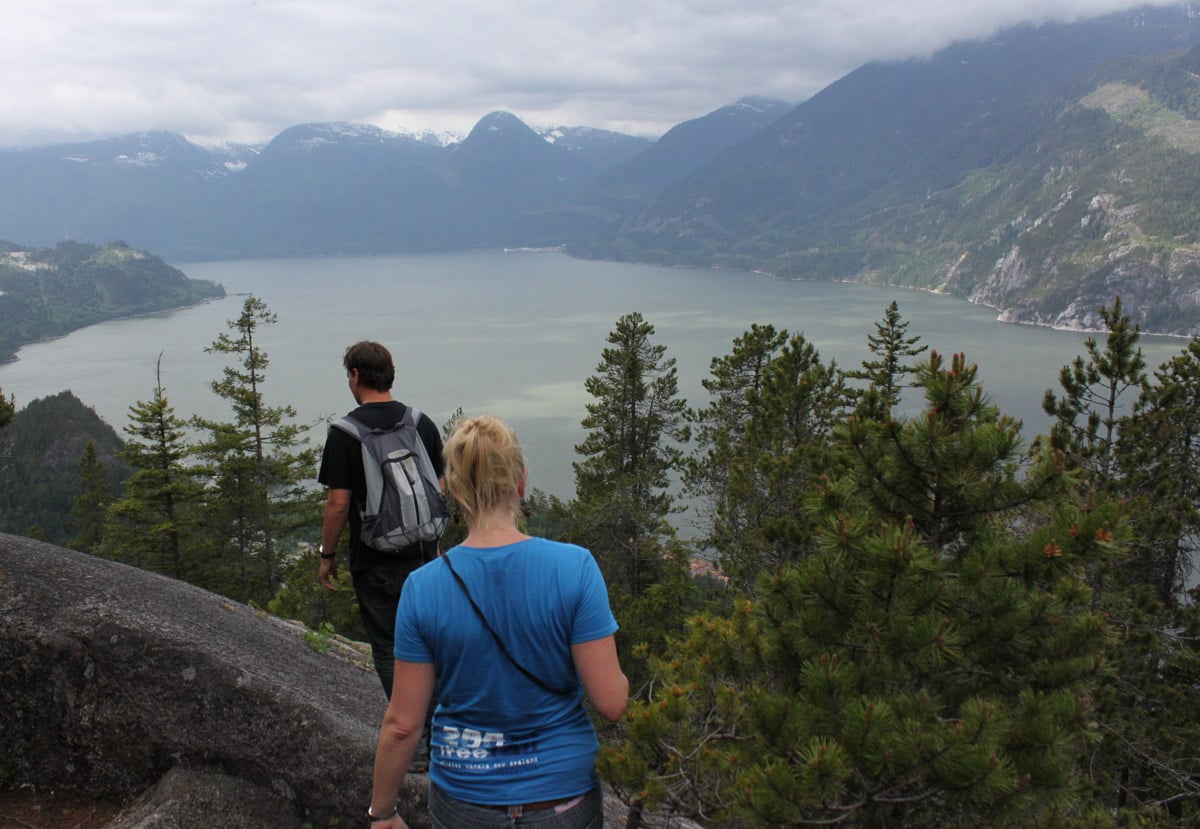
(498, 738)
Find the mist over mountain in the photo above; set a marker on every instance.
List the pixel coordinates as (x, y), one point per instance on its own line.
(974, 173)
(990, 170)
(684, 149)
(887, 134)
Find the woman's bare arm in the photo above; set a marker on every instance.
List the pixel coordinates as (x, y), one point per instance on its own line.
(605, 683)
(412, 689)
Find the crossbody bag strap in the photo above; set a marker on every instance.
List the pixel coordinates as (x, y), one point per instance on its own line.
(534, 678)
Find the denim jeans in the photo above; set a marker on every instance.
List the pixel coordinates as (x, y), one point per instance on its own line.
(447, 812)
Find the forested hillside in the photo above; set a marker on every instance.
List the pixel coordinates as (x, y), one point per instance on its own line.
(48, 292)
(41, 456)
(1044, 172)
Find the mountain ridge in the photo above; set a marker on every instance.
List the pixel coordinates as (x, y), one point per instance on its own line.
(861, 181)
(915, 173)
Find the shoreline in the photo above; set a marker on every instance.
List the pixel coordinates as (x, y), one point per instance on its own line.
(562, 250)
(52, 337)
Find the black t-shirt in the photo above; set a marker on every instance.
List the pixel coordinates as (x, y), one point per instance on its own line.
(341, 468)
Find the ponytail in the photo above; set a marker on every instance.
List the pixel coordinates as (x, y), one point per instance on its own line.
(484, 465)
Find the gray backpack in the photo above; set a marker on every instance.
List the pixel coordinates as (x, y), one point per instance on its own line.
(404, 503)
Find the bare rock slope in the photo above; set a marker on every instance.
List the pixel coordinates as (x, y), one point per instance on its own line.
(121, 684)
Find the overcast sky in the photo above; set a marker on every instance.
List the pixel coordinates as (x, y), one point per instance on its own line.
(243, 70)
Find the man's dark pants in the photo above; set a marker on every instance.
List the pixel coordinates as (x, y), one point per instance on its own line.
(378, 591)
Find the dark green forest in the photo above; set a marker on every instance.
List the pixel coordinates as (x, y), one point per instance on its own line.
(41, 452)
(927, 619)
(48, 292)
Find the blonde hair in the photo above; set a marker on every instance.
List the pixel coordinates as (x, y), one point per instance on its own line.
(484, 465)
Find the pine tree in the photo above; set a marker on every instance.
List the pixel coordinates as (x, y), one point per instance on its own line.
(258, 465)
(88, 511)
(152, 524)
(949, 473)
(925, 672)
(634, 428)
(1158, 454)
(1146, 767)
(721, 429)
(1087, 413)
(885, 374)
(1143, 767)
(8, 408)
(760, 444)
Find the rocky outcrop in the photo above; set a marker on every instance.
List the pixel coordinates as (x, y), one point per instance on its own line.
(123, 684)
(1160, 293)
(1106, 255)
(190, 798)
(181, 707)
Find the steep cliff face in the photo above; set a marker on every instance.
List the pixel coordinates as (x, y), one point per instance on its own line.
(1065, 286)
(1101, 205)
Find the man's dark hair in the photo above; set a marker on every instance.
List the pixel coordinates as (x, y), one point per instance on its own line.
(374, 365)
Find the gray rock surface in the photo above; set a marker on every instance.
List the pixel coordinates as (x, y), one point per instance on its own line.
(119, 683)
(190, 798)
(129, 700)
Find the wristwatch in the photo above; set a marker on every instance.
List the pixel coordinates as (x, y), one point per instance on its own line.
(321, 551)
(374, 818)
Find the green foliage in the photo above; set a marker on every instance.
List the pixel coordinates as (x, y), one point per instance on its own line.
(1158, 453)
(721, 430)
(622, 500)
(51, 291)
(927, 672)
(761, 442)
(953, 471)
(153, 524)
(8, 407)
(545, 515)
(885, 375)
(1087, 413)
(1143, 767)
(89, 509)
(319, 639)
(633, 430)
(257, 465)
(41, 476)
(302, 598)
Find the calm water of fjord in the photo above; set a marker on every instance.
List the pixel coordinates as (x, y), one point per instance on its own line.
(513, 334)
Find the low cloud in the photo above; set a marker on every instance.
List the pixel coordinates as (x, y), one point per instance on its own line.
(243, 70)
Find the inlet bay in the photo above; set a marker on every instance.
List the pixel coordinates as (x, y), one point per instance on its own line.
(513, 334)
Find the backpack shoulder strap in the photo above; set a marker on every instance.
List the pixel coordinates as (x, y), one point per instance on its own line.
(358, 430)
(351, 427)
(372, 473)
